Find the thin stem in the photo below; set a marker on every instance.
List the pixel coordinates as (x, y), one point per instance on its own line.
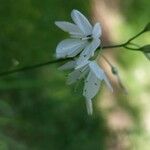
(133, 44)
(113, 46)
(32, 67)
(132, 49)
(26, 68)
(108, 62)
(123, 45)
(134, 37)
(115, 72)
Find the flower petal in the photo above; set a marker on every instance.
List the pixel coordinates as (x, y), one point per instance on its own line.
(97, 32)
(69, 46)
(81, 22)
(99, 73)
(89, 106)
(73, 77)
(82, 64)
(77, 75)
(69, 27)
(84, 73)
(79, 48)
(68, 65)
(88, 51)
(96, 69)
(91, 86)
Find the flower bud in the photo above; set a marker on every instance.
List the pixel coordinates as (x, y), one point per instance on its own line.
(114, 70)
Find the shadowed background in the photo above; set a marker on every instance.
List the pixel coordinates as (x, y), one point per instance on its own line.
(38, 111)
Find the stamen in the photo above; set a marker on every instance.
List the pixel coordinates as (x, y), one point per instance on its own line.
(88, 37)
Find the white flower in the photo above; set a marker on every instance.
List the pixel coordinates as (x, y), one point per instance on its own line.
(83, 39)
(92, 84)
(93, 75)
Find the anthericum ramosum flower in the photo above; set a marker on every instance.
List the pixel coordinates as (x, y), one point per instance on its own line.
(84, 38)
(93, 76)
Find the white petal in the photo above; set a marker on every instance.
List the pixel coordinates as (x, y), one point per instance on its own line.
(84, 73)
(69, 27)
(89, 106)
(76, 36)
(79, 48)
(73, 77)
(82, 22)
(82, 64)
(99, 73)
(96, 69)
(88, 51)
(76, 75)
(68, 65)
(91, 86)
(97, 32)
(69, 46)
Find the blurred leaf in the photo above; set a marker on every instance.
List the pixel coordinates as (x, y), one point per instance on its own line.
(147, 27)
(147, 55)
(5, 108)
(146, 50)
(8, 143)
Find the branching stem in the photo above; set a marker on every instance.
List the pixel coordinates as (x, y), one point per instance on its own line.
(123, 45)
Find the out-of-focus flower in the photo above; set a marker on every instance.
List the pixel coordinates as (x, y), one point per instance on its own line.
(83, 39)
(93, 76)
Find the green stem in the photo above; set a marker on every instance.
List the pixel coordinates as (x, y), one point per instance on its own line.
(32, 67)
(123, 45)
(134, 37)
(113, 46)
(132, 49)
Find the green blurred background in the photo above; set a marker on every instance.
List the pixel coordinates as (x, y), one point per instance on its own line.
(38, 111)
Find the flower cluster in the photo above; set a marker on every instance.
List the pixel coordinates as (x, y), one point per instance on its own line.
(83, 42)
